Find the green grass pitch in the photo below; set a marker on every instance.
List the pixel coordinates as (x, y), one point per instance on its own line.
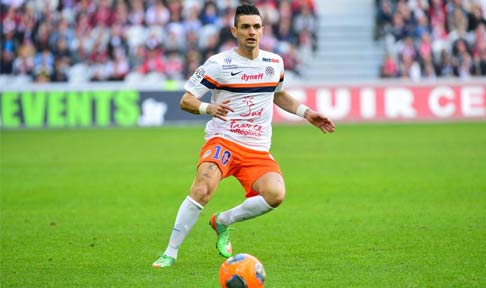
(376, 205)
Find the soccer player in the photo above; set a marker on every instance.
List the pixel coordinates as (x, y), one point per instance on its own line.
(244, 82)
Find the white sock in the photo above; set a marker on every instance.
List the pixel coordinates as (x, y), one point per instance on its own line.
(186, 218)
(250, 208)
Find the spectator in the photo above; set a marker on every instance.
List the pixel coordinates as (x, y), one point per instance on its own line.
(60, 71)
(210, 14)
(422, 26)
(103, 16)
(117, 40)
(115, 37)
(26, 25)
(306, 21)
(457, 21)
(8, 54)
(284, 31)
(83, 25)
(268, 41)
(24, 63)
(137, 58)
(193, 60)
(174, 66)
(408, 49)
(269, 11)
(398, 29)
(425, 48)
(192, 39)
(191, 22)
(480, 62)
(62, 31)
(120, 14)
(153, 62)
(462, 61)
(435, 38)
(445, 67)
(297, 6)
(117, 68)
(81, 48)
(475, 17)
(389, 68)
(175, 40)
(44, 63)
(175, 10)
(157, 14)
(403, 9)
(285, 10)
(225, 34)
(290, 57)
(437, 15)
(136, 16)
(61, 50)
(384, 18)
(429, 71)
(480, 38)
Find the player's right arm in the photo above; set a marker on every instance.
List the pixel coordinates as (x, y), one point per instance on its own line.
(199, 84)
(192, 104)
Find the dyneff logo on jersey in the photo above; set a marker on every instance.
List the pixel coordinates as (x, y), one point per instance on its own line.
(249, 77)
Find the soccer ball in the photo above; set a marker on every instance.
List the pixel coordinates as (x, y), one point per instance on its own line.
(242, 271)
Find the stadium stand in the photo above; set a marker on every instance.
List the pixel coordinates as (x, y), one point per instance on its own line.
(426, 39)
(134, 41)
(346, 50)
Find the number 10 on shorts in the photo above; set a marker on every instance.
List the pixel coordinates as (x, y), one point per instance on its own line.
(221, 155)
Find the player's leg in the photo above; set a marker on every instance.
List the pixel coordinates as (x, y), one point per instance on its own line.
(271, 192)
(264, 186)
(205, 183)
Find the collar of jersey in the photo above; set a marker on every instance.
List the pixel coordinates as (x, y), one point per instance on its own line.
(244, 58)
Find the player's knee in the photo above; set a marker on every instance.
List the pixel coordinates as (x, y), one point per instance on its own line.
(274, 197)
(272, 188)
(278, 198)
(201, 193)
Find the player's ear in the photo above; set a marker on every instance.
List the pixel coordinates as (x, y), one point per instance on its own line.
(233, 31)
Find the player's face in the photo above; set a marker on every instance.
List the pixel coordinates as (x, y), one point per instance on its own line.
(248, 31)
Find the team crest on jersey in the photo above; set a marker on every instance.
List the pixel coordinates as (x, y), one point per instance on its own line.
(227, 60)
(269, 71)
(206, 154)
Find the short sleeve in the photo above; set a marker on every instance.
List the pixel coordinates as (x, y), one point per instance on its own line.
(280, 86)
(200, 81)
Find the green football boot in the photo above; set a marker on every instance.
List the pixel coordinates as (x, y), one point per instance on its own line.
(164, 261)
(223, 243)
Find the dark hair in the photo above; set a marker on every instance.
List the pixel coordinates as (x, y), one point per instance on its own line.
(246, 10)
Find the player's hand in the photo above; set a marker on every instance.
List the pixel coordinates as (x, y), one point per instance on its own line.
(320, 121)
(220, 110)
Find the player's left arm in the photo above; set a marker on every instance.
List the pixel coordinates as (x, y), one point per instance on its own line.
(288, 103)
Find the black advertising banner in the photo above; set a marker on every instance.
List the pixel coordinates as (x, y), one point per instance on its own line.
(93, 108)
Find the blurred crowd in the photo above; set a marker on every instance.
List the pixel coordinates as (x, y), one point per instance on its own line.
(426, 39)
(114, 40)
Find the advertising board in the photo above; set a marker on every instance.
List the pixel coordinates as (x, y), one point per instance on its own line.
(121, 107)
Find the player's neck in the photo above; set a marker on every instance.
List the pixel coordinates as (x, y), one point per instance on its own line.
(251, 53)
